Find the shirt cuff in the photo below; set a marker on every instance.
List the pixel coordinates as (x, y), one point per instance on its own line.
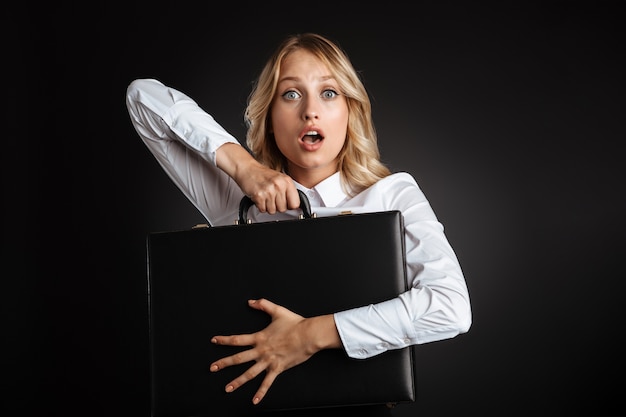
(371, 330)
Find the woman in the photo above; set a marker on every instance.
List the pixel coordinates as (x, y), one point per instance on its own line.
(309, 128)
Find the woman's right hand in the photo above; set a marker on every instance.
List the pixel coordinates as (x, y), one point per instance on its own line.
(270, 190)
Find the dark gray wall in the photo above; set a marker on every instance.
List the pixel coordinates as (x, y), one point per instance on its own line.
(511, 118)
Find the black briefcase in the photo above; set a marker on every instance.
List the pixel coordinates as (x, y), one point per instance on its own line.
(199, 281)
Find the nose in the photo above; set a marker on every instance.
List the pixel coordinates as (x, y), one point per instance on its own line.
(310, 111)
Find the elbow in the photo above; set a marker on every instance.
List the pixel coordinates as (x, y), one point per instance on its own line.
(448, 316)
(134, 88)
(132, 96)
(461, 317)
(463, 313)
(139, 84)
(458, 312)
(464, 324)
(141, 87)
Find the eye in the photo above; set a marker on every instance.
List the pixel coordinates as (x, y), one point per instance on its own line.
(329, 94)
(291, 95)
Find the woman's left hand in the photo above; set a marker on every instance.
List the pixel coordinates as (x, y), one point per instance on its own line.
(287, 341)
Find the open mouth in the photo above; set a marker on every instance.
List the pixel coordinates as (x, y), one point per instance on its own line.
(312, 137)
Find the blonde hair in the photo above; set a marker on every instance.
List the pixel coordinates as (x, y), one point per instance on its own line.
(359, 159)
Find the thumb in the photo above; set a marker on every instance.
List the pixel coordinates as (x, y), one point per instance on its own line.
(263, 305)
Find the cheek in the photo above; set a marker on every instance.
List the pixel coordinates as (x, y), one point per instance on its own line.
(285, 124)
(279, 131)
(340, 120)
(279, 120)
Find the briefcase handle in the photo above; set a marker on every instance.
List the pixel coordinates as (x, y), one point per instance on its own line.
(246, 203)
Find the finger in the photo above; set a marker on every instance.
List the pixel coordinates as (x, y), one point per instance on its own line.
(264, 305)
(293, 198)
(260, 204)
(234, 340)
(287, 198)
(270, 206)
(248, 375)
(281, 202)
(269, 379)
(236, 359)
(259, 199)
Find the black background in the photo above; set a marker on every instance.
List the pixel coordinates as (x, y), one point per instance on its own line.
(509, 115)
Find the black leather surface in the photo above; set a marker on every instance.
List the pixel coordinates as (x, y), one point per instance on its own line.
(199, 284)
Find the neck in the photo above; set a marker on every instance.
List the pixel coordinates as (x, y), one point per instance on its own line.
(308, 177)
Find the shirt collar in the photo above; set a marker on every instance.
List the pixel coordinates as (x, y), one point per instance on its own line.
(330, 190)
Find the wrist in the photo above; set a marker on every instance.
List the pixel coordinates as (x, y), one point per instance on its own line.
(224, 158)
(324, 334)
(233, 159)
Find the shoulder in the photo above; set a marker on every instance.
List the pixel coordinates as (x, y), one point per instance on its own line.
(399, 182)
(397, 191)
(400, 191)
(398, 178)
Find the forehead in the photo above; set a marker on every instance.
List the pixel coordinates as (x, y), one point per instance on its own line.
(302, 62)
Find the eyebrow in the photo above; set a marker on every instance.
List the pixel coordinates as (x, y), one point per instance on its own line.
(324, 78)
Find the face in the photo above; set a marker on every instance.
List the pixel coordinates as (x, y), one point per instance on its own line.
(309, 118)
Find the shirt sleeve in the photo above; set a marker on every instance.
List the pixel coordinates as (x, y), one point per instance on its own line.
(184, 139)
(436, 305)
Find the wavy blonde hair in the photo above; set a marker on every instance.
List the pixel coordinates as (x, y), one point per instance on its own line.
(359, 159)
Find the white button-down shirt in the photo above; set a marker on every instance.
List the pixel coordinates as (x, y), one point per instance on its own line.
(184, 140)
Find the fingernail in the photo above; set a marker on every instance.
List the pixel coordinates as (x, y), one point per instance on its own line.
(251, 301)
(214, 340)
(256, 400)
(214, 368)
(230, 388)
